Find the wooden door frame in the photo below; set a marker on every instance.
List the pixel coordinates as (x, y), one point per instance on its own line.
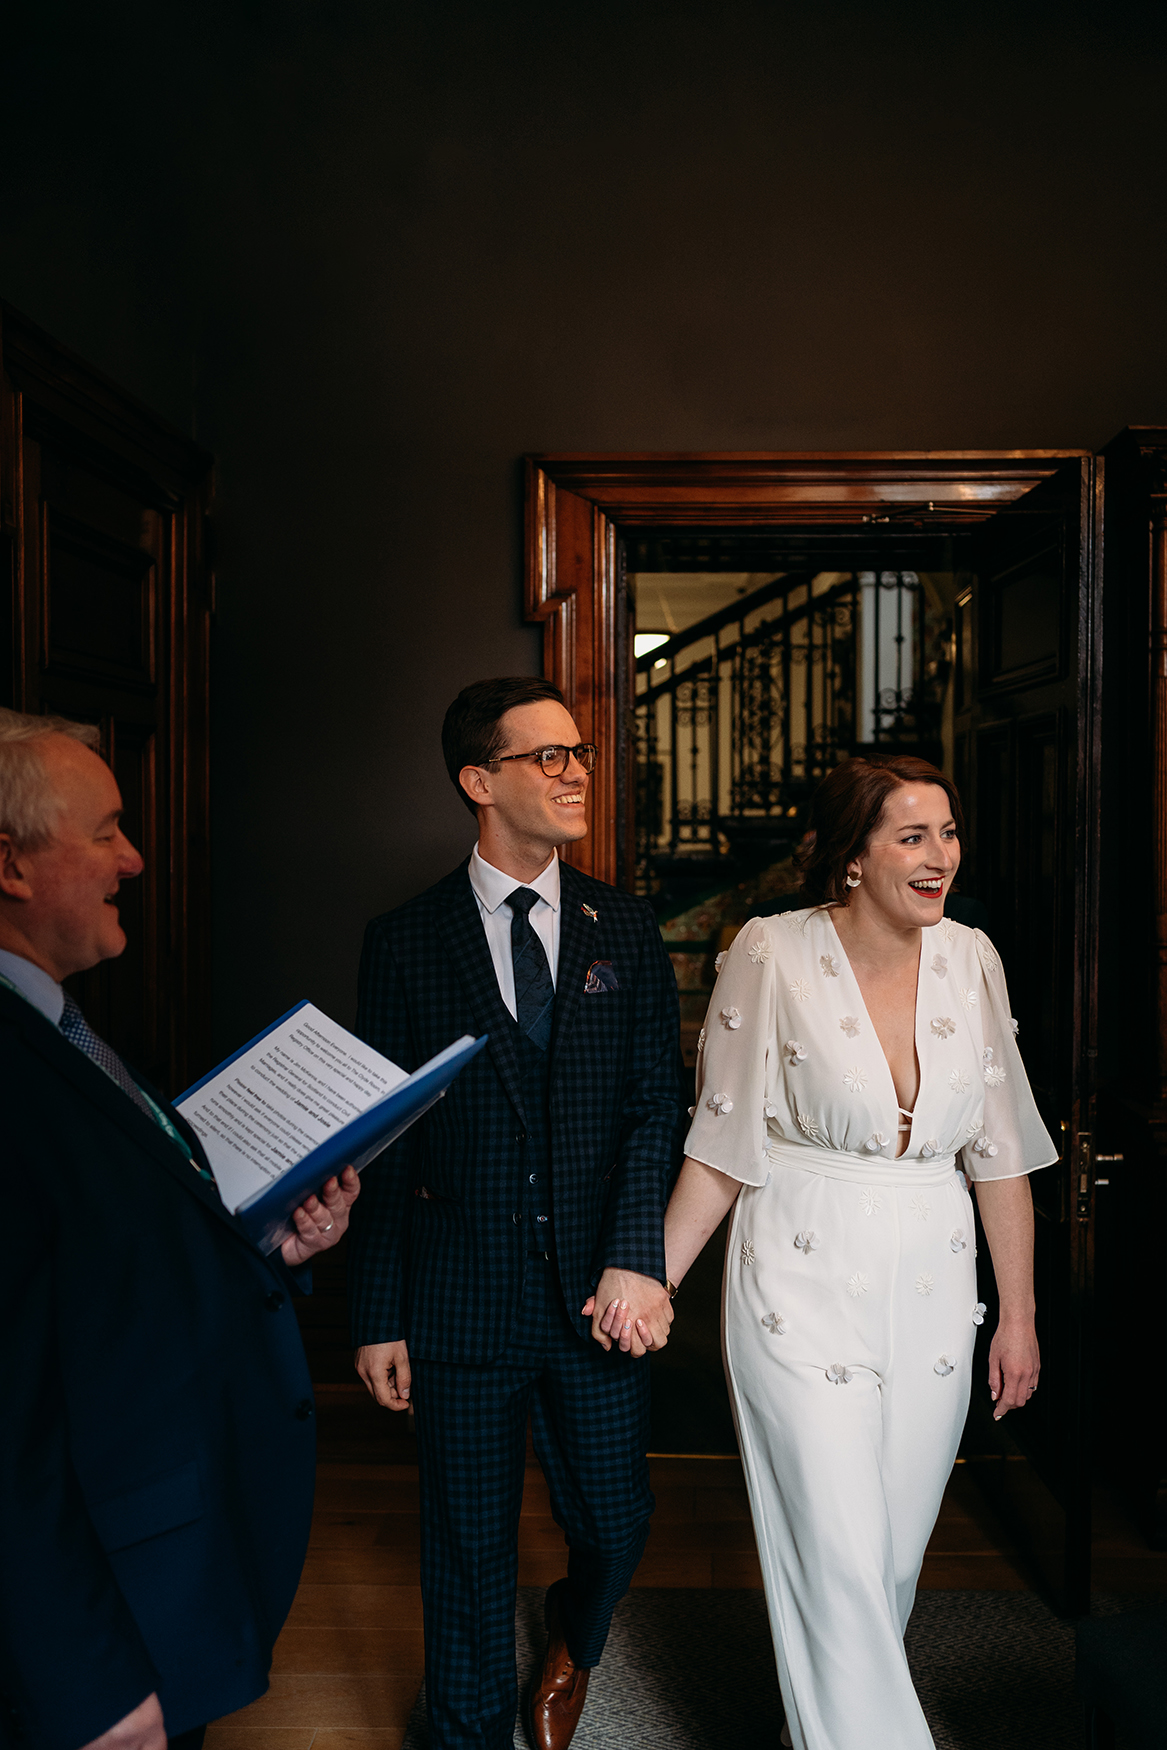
(579, 505)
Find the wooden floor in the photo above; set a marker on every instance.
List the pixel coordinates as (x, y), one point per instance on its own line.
(348, 1665)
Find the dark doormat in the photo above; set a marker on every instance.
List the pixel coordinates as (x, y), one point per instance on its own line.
(694, 1670)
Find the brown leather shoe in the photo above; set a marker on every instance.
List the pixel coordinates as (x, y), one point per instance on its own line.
(557, 1695)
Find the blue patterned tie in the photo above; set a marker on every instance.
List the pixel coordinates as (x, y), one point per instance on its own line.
(534, 991)
(79, 1033)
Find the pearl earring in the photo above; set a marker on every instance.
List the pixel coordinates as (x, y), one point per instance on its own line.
(854, 880)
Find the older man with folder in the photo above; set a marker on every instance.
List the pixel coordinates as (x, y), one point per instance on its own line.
(157, 1449)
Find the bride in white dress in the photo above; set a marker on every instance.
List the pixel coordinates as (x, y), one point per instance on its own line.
(855, 1053)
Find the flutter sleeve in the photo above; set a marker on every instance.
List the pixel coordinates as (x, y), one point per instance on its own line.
(1013, 1140)
(737, 1060)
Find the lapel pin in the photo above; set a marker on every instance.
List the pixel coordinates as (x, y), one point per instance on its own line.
(589, 913)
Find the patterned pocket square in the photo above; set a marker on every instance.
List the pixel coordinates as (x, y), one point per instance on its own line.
(600, 978)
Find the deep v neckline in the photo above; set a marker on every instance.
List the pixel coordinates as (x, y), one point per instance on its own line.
(899, 1110)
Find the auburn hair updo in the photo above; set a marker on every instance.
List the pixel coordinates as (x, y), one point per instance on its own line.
(845, 811)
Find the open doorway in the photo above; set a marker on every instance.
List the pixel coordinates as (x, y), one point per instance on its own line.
(757, 664)
(806, 607)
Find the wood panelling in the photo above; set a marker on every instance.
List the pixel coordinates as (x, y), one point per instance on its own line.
(1027, 615)
(105, 617)
(1157, 714)
(99, 604)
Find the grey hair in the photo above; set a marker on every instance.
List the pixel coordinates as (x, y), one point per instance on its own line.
(28, 805)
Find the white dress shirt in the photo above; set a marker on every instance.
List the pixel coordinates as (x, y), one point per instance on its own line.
(43, 992)
(492, 889)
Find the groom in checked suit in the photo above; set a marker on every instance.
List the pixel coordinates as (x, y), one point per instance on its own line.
(510, 1259)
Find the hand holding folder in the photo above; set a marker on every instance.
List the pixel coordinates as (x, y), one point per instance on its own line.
(321, 1219)
(299, 1102)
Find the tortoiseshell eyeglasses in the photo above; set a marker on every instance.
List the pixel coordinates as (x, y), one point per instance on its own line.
(555, 759)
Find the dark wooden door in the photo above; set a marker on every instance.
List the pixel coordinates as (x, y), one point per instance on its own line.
(1131, 1437)
(1027, 723)
(104, 617)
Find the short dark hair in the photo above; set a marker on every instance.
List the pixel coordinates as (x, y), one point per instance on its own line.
(471, 734)
(845, 810)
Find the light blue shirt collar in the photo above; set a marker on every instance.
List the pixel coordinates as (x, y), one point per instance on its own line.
(43, 992)
(492, 887)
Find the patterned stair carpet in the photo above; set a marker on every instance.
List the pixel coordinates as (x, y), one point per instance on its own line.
(694, 1670)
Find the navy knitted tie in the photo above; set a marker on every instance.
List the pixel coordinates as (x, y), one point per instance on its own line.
(79, 1033)
(534, 991)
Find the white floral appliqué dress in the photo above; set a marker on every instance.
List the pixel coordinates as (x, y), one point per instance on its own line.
(850, 1299)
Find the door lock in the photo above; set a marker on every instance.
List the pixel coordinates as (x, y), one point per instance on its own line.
(1085, 1139)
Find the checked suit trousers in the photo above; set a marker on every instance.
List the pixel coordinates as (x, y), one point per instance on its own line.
(590, 1416)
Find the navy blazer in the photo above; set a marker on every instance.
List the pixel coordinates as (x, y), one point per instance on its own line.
(437, 1250)
(157, 1451)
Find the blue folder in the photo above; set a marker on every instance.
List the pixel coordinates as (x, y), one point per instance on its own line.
(267, 1213)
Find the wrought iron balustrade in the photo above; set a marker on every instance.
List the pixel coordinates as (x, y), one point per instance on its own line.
(740, 716)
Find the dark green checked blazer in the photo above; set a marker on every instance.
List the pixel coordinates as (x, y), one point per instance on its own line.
(437, 1253)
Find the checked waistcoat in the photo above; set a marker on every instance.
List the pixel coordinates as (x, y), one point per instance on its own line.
(536, 1208)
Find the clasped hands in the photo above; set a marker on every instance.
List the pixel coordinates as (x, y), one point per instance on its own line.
(630, 1311)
